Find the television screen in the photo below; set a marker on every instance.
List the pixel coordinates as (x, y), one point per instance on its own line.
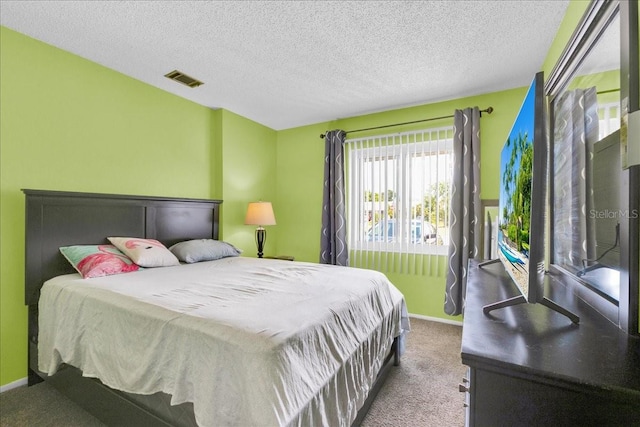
(518, 204)
(522, 203)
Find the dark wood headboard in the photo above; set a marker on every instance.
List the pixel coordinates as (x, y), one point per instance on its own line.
(56, 218)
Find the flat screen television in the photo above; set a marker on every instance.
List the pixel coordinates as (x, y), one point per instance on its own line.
(523, 204)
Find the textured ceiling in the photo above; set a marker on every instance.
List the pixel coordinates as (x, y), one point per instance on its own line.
(291, 63)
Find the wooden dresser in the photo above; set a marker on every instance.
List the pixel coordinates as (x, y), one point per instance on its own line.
(529, 365)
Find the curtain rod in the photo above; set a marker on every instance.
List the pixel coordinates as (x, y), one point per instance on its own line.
(488, 110)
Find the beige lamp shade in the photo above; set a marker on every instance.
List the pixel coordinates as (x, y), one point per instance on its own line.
(260, 213)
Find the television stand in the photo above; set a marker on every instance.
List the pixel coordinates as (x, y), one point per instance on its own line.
(521, 299)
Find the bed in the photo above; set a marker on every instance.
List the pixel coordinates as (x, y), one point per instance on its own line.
(295, 365)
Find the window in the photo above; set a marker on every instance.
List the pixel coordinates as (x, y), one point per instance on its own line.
(609, 115)
(398, 192)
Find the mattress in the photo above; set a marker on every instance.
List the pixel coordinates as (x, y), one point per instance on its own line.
(255, 342)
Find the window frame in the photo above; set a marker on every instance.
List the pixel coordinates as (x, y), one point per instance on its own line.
(401, 148)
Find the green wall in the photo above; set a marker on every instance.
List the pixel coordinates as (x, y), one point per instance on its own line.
(300, 153)
(248, 174)
(73, 125)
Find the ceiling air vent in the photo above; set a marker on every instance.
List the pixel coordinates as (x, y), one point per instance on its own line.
(183, 78)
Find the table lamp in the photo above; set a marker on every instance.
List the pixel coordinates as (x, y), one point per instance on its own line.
(260, 214)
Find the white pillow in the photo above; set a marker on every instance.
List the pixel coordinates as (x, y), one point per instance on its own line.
(145, 252)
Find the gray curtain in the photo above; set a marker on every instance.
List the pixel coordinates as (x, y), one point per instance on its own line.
(464, 229)
(333, 240)
(575, 132)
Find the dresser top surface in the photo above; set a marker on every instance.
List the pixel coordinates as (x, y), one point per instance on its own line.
(535, 340)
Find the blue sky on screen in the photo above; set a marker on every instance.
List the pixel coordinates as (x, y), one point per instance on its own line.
(524, 123)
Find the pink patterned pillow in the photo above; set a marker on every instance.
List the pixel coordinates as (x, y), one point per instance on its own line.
(97, 260)
(145, 252)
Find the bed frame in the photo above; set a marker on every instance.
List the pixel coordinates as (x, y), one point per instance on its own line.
(55, 219)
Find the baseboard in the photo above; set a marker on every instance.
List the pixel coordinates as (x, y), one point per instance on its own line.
(436, 319)
(15, 384)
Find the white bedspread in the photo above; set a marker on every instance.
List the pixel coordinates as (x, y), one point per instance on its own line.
(251, 342)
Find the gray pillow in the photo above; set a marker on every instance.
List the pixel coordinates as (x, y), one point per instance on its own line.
(191, 251)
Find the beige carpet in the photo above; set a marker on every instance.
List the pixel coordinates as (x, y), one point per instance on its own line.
(422, 392)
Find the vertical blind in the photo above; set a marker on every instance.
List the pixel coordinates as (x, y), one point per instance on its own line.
(609, 115)
(398, 200)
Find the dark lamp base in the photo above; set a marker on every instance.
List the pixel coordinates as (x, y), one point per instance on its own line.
(261, 238)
